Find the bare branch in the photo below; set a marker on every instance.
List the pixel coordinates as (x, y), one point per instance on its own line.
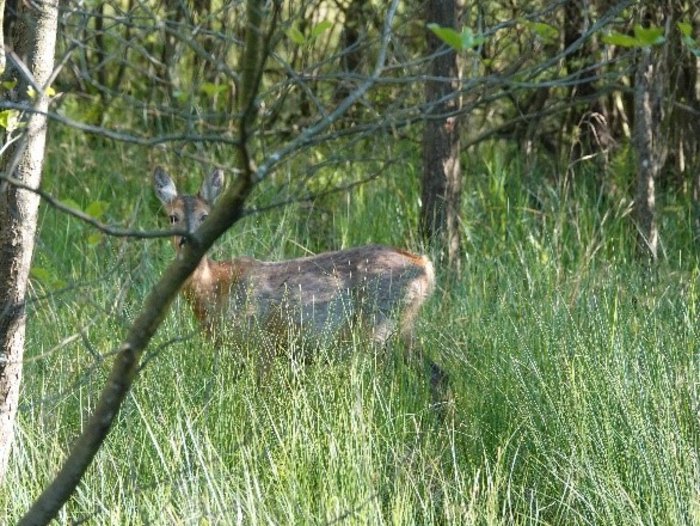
(102, 227)
(309, 133)
(123, 136)
(311, 197)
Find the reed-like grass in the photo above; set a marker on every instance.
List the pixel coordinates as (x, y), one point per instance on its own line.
(574, 370)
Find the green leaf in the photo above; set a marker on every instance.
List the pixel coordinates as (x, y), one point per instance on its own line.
(685, 28)
(546, 32)
(97, 209)
(296, 36)
(211, 90)
(47, 278)
(320, 28)
(71, 204)
(448, 35)
(620, 39)
(469, 40)
(643, 37)
(649, 36)
(8, 84)
(457, 41)
(9, 119)
(31, 92)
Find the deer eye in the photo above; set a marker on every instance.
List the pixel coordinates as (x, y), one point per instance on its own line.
(203, 217)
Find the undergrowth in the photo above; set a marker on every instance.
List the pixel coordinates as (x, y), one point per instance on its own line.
(573, 367)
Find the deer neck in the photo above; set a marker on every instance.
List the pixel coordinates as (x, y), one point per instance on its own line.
(208, 289)
(202, 290)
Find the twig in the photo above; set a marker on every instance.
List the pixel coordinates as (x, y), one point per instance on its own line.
(309, 133)
(99, 225)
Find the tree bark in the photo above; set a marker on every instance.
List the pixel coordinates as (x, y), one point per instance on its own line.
(441, 180)
(355, 18)
(684, 126)
(2, 37)
(650, 88)
(18, 216)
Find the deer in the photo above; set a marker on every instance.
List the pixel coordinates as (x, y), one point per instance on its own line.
(376, 288)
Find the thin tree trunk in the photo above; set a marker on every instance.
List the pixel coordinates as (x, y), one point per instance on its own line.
(2, 37)
(98, 67)
(649, 143)
(18, 219)
(684, 126)
(441, 181)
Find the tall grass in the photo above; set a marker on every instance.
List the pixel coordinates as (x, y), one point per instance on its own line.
(574, 369)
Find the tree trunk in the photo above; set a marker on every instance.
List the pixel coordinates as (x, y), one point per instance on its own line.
(18, 215)
(441, 181)
(649, 142)
(2, 37)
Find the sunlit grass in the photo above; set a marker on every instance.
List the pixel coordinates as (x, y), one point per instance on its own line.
(574, 370)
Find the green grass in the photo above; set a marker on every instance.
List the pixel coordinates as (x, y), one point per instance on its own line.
(574, 369)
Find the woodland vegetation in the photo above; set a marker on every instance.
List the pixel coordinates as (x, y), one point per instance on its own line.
(544, 153)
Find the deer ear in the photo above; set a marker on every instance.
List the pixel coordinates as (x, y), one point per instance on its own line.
(164, 186)
(212, 186)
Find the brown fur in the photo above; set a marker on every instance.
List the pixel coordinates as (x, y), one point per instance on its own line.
(376, 288)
